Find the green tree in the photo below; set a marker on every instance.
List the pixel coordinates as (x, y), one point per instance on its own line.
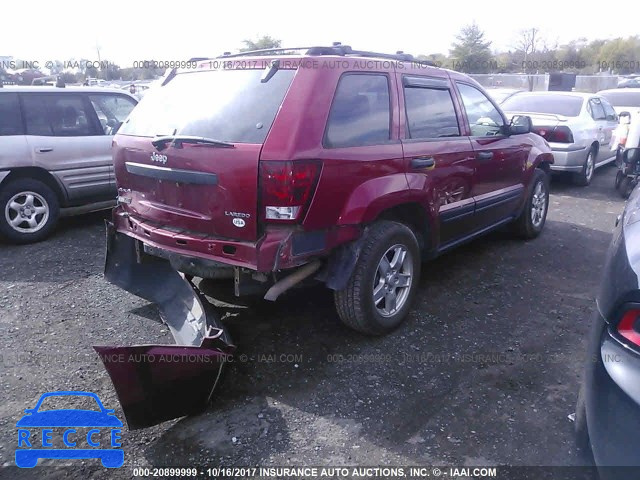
(261, 43)
(471, 53)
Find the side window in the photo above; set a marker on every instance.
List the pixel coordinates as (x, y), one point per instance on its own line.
(430, 113)
(60, 115)
(10, 118)
(360, 113)
(35, 115)
(112, 110)
(609, 111)
(484, 118)
(597, 110)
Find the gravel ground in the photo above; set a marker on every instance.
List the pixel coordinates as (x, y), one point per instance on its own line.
(484, 372)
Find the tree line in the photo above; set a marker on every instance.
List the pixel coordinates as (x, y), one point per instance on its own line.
(471, 52)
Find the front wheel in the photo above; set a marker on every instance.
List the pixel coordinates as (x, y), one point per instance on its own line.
(627, 184)
(29, 212)
(532, 219)
(380, 291)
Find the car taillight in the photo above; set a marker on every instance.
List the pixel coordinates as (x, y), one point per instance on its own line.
(629, 326)
(560, 134)
(287, 188)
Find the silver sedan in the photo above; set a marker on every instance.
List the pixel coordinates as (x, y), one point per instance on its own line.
(578, 126)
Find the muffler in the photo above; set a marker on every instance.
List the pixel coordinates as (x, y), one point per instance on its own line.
(155, 383)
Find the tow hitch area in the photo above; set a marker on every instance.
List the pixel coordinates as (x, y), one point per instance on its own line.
(155, 383)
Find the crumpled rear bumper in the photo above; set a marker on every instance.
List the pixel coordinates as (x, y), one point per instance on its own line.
(155, 383)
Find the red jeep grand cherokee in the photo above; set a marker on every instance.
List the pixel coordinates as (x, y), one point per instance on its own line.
(344, 166)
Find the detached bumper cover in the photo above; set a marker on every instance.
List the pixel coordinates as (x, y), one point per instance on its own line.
(155, 383)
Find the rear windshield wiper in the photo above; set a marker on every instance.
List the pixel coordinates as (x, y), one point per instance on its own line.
(177, 140)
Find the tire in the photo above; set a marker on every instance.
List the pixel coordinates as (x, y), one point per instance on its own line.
(619, 177)
(534, 215)
(584, 177)
(626, 187)
(581, 429)
(355, 303)
(40, 204)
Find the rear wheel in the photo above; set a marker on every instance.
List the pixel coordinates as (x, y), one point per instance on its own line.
(532, 219)
(380, 291)
(584, 177)
(30, 210)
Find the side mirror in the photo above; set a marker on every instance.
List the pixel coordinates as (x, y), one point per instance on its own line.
(520, 124)
(631, 155)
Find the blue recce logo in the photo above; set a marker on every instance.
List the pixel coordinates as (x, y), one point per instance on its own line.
(29, 452)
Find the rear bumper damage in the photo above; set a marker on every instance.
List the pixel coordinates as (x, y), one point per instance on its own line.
(155, 383)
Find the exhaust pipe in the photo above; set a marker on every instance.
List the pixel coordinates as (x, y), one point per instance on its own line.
(289, 281)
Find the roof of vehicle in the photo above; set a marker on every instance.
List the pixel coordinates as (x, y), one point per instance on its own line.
(620, 90)
(50, 89)
(567, 94)
(335, 52)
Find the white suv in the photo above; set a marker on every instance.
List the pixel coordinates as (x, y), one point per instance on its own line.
(55, 155)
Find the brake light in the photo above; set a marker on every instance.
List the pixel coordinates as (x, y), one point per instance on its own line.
(561, 134)
(287, 188)
(629, 326)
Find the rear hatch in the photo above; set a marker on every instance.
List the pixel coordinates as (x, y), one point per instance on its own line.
(187, 157)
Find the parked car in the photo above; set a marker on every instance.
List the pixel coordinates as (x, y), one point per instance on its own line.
(578, 126)
(55, 155)
(608, 407)
(501, 94)
(623, 100)
(352, 173)
(629, 83)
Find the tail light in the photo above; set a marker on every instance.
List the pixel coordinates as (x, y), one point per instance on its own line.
(629, 326)
(561, 134)
(287, 188)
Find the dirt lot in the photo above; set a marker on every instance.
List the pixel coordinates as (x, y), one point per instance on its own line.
(484, 372)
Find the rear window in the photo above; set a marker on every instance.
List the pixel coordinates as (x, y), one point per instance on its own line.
(227, 105)
(622, 99)
(360, 113)
(564, 105)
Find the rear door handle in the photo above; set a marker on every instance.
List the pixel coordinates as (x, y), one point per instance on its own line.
(44, 149)
(484, 155)
(422, 162)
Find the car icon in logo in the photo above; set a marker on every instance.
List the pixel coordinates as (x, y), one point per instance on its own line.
(73, 423)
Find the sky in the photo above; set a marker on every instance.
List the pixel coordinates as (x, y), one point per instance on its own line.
(126, 31)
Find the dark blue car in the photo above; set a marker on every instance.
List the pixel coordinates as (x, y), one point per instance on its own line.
(608, 409)
(28, 456)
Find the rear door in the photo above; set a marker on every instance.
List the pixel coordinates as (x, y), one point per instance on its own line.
(499, 159)
(612, 123)
(603, 126)
(64, 139)
(440, 159)
(203, 189)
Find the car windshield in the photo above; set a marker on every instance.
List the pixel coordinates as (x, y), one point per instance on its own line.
(622, 99)
(565, 105)
(228, 105)
(66, 402)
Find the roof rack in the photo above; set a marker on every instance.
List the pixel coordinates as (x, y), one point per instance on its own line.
(336, 49)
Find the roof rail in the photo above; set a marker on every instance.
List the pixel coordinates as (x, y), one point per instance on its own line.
(336, 49)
